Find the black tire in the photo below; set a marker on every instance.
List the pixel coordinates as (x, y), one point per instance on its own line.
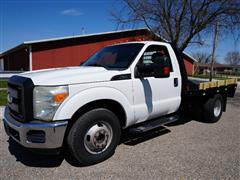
(78, 137)
(210, 114)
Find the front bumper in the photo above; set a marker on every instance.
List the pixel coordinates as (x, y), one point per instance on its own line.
(40, 135)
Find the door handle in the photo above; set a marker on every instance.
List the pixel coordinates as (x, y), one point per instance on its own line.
(175, 82)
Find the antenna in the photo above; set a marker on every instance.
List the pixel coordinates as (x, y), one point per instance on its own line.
(83, 30)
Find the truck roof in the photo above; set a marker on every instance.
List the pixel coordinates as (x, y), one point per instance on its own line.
(145, 42)
(142, 42)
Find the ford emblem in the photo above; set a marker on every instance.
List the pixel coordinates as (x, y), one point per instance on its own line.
(9, 98)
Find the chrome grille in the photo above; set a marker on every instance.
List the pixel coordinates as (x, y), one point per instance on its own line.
(15, 101)
(20, 98)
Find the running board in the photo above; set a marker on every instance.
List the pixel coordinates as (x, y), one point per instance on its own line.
(152, 124)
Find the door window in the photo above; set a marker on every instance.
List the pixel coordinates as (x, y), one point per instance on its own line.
(156, 53)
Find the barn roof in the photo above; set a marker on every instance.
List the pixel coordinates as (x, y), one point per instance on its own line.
(190, 57)
(84, 36)
(27, 43)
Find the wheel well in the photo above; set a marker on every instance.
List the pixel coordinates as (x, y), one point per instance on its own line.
(111, 105)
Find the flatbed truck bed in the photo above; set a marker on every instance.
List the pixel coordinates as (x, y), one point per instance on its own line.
(204, 88)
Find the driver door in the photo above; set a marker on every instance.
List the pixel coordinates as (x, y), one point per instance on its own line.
(154, 97)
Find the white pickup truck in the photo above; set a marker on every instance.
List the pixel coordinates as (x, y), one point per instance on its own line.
(137, 85)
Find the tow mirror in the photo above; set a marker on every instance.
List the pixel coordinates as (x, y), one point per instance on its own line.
(162, 71)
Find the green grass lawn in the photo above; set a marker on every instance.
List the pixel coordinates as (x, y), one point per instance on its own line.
(3, 83)
(3, 92)
(3, 97)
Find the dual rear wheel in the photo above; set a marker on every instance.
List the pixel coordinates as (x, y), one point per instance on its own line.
(213, 108)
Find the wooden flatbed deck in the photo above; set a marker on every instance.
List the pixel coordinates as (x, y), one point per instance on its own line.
(218, 83)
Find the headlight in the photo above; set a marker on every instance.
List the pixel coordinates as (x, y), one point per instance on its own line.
(46, 101)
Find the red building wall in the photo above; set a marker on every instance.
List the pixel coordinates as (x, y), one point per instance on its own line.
(73, 54)
(73, 51)
(188, 65)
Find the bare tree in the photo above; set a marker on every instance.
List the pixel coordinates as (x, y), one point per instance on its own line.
(180, 21)
(232, 58)
(202, 57)
(215, 39)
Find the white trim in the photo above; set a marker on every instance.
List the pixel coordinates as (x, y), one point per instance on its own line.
(30, 57)
(79, 36)
(1, 64)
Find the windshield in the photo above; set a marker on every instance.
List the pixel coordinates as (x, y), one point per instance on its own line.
(118, 56)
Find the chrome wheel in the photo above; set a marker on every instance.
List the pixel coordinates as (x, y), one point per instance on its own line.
(98, 138)
(217, 108)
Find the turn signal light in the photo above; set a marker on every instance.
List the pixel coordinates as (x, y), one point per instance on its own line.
(58, 98)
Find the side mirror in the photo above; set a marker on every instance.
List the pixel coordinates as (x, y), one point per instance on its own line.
(161, 70)
(153, 70)
(144, 70)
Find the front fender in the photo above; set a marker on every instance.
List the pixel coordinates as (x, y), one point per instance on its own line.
(75, 102)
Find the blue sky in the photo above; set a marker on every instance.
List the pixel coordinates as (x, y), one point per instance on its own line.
(31, 20)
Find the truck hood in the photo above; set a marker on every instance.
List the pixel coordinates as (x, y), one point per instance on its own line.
(70, 75)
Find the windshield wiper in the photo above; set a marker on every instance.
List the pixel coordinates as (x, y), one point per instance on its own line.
(98, 65)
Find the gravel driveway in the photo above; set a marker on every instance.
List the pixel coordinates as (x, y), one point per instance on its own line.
(184, 150)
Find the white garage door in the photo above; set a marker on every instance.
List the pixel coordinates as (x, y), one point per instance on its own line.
(1, 65)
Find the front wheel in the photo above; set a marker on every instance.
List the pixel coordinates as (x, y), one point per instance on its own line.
(94, 136)
(213, 108)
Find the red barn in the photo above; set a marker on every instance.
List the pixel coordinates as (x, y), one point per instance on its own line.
(71, 51)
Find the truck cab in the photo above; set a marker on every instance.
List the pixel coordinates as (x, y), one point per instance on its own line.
(86, 108)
